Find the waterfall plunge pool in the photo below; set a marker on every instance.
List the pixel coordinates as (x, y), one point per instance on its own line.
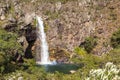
(62, 68)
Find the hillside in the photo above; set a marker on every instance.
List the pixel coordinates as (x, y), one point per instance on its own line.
(77, 31)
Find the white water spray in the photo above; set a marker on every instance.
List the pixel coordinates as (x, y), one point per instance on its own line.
(44, 46)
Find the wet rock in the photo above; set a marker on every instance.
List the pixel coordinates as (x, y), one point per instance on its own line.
(30, 34)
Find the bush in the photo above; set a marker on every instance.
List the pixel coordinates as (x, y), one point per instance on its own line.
(89, 44)
(113, 56)
(80, 51)
(9, 48)
(9, 44)
(115, 39)
(110, 72)
(88, 60)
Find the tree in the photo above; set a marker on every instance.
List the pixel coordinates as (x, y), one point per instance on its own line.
(9, 50)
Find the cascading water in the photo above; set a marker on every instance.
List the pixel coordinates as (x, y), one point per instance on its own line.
(44, 46)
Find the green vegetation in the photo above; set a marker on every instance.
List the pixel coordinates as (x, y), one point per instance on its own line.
(80, 51)
(46, 28)
(89, 63)
(90, 66)
(8, 49)
(115, 39)
(89, 60)
(110, 72)
(28, 70)
(113, 56)
(89, 44)
(113, 16)
(8, 43)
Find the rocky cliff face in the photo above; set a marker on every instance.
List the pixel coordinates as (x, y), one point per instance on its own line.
(67, 23)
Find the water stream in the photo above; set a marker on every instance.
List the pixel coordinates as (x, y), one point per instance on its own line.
(44, 46)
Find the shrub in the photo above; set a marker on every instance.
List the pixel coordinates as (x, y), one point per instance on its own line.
(33, 73)
(110, 72)
(88, 60)
(113, 56)
(9, 47)
(89, 44)
(80, 51)
(115, 39)
(9, 44)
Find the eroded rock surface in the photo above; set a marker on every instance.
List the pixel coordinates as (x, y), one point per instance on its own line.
(67, 24)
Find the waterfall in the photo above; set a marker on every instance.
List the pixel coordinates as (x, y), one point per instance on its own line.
(44, 46)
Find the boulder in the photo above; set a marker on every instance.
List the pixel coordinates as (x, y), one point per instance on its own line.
(29, 18)
(12, 19)
(72, 71)
(2, 17)
(20, 78)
